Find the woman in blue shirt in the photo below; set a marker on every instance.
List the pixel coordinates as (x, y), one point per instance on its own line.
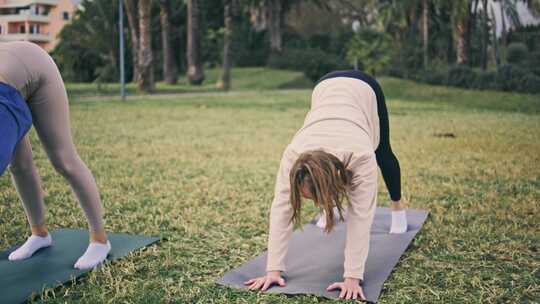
(32, 92)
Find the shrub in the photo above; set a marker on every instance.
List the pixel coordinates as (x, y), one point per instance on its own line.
(534, 62)
(313, 62)
(517, 53)
(461, 76)
(510, 77)
(289, 59)
(530, 84)
(372, 49)
(394, 71)
(319, 63)
(485, 80)
(436, 76)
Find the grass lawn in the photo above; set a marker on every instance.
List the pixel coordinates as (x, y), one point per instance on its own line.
(199, 171)
(243, 79)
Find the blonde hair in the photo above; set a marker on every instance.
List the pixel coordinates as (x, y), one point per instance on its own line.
(326, 178)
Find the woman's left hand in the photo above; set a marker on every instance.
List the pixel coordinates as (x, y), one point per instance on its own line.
(350, 289)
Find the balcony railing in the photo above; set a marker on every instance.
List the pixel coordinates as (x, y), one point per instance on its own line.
(25, 17)
(23, 3)
(26, 37)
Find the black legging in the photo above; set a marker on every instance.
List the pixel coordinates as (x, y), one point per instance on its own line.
(386, 159)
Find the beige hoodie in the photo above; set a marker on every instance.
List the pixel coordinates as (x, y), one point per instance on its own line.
(343, 121)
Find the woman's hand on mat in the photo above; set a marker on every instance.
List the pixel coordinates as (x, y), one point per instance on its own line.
(350, 289)
(263, 283)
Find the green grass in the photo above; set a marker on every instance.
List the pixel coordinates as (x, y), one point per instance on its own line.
(243, 79)
(199, 171)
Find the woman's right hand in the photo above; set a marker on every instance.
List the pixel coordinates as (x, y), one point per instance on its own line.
(263, 283)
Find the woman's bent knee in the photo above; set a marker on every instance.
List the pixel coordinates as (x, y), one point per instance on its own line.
(20, 168)
(66, 166)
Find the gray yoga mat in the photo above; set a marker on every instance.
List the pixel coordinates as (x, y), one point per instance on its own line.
(315, 259)
(53, 266)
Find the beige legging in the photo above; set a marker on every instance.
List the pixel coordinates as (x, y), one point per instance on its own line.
(32, 71)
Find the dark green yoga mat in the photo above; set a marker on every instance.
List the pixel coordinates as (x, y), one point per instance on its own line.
(52, 266)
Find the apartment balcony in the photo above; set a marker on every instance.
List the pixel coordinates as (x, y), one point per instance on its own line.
(25, 17)
(26, 37)
(23, 3)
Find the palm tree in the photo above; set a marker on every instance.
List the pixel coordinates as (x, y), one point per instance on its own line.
(534, 7)
(195, 72)
(398, 17)
(508, 10)
(131, 12)
(87, 49)
(275, 14)
(170, 74)
(146, 71)
(460, 16)
(425, 31)
(225, 79)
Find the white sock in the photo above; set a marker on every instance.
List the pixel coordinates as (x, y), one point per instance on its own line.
(32, 244)
(399, 221)
(94, 255)
(321, 222)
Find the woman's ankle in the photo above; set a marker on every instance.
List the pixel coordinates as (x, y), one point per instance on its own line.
(39, 230)
(98, 236)
(398, 205)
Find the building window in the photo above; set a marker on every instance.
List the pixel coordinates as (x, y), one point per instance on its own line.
(22, 29)
(65, 15)
(34, 29)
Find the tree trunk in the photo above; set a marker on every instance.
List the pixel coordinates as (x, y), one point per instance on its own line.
(146, 71)
(503, 32)
(470, 26)
(496, 52)
(170, 74)
(425, 31)
(460, 26)
(225, 79)
(131, 12)
(195, 72)
(461, 41)
(485, 38)
(274, 10)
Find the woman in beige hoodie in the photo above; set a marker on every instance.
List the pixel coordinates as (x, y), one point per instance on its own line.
(333, 160)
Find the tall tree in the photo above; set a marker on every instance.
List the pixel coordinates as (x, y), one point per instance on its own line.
(275, 14)
(225, 78)
(485, 34)
(398, 17)
(133, 21)
(496, 47)
(534, 7)
(170, 74)
(461, 13)
(425, 31)
(146, 71)
(509, 12)
(87, 48)
(195, 71)
(471, 27)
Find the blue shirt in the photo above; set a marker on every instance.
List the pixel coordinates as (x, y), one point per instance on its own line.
(15, 121)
